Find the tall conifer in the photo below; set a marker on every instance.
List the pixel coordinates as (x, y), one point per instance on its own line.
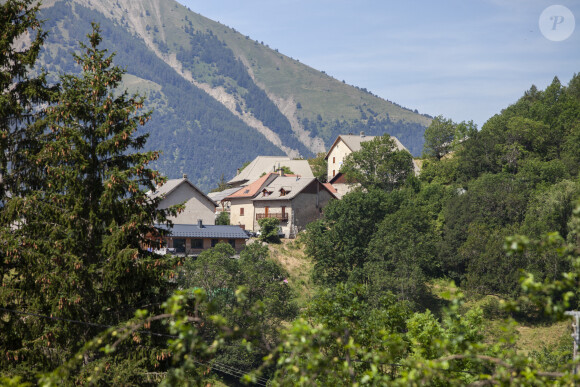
(21, 93)
(78, 247)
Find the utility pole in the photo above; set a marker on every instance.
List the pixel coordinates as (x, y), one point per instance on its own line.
(575, 335)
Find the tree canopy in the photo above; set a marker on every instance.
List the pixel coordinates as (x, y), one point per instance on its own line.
(378, 164)
(75, 240)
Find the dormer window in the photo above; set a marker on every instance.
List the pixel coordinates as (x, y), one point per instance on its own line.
(284, 192)
(265, 192)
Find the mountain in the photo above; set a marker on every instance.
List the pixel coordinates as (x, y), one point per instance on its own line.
(219, 98)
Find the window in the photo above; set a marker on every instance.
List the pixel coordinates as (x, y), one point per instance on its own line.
(197, 243)
(232, 242)
(283, 212)
(179, 245)
(214, 242)
(333, 173)
(241, 211)
(333, 159)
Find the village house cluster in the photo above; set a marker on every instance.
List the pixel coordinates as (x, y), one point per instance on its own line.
(263, 189)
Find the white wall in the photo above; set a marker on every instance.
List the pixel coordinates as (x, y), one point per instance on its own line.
(246, 220)
(336, 158)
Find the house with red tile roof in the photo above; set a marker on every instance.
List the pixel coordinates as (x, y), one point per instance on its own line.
(266, 164)
(295, 201)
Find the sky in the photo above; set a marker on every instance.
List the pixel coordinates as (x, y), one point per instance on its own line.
(465, 60)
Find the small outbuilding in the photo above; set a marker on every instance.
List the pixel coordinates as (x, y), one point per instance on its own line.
(192, 239)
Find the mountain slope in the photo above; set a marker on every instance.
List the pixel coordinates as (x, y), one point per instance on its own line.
(220, 98)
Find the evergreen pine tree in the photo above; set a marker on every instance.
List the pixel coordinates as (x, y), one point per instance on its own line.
(78, 249)
(21, 93)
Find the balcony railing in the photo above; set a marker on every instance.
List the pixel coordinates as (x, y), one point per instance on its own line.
(281, 217)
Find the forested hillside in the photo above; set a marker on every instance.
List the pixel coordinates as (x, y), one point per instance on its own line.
(218, 93)
(517, 175)
(193, 130)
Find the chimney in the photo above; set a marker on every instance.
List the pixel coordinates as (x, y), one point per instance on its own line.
(238, 172)
(199, 223)
(362, 134)
(280, 172)
(185, 175)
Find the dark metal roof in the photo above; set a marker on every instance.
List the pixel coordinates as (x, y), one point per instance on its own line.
(206, 231)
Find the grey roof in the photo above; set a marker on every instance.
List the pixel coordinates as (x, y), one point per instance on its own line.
(206, 231)
(171, 185)
(218, 196)
(292, 185)
(266, 164)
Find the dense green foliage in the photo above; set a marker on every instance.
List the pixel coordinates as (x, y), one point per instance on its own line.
(21, 96)
(378, 165)
(223, 218)
(443, 136)
(269, 230)
(519, 174)
(75, 241)
(219, 275)
(319, 166)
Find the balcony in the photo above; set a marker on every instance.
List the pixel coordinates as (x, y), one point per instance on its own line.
(280, 217)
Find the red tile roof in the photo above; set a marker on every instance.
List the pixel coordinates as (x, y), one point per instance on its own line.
(250, 190)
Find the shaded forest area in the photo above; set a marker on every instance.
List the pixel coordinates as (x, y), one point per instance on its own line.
(517, 175)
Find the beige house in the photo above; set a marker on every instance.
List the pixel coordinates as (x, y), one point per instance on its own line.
(241, 205)
(197, 205)
(295, 201)
(342, 147)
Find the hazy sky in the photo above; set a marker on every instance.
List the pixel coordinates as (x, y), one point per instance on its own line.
(463, 59)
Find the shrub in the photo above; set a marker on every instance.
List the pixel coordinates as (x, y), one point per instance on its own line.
(269, 230)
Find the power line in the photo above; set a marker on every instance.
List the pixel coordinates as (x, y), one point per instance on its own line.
(242, 373)
(232, 371)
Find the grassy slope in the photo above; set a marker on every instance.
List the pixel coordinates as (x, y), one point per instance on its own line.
(290, 254)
